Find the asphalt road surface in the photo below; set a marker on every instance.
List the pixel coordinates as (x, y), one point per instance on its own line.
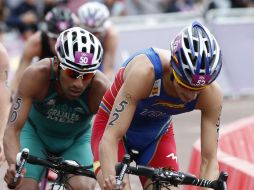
(187, 131)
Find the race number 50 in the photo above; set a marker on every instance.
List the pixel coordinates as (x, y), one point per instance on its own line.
(83, 60)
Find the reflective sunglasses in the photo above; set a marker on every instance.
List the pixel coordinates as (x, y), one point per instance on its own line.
(75, 75)
(185, 86)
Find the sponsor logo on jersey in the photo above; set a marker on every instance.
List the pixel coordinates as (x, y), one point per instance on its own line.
(156, 88)
(79, 110)
(51, 102)
(169, 104)
(172, 156)
(63, 114)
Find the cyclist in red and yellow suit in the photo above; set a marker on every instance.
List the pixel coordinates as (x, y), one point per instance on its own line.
(154, 84)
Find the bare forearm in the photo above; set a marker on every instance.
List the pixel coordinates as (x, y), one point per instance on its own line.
(209, 170)
(4, 108)
(15, 82)
(108, 157)
(11, 147)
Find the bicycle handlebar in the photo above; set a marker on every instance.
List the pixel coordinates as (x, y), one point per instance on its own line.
(20, 160)
(166, 176)
(65, 166)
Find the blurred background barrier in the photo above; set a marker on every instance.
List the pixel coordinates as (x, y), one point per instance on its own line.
(233, 28)
(235, 154)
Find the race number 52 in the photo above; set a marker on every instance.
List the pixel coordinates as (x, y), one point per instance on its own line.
(201, 82)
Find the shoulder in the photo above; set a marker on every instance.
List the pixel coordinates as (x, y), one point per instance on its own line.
(210, 97)
(111, 32)
(165, 57)
(98, 87)
(111, 37)
(33, 44)
(140, 65)
(100, 81)
(35, 39)
(139, 73)
(39, 70)
(36, 77)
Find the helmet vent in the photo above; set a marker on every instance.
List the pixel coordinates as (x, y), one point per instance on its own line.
(83, 38)
(91, 37)
(203, 34)
(61, 51)
(203, 63)
(188, 72)
(84, 49)
(99, 53)
(66, 49)
(186, 42)
(212, 60)
(207, 46)
(184, 61)
(92, 49)
(194, 59)
(74, 36)
(195, 31)
(65, 35)
(75, 47)
(195, 43)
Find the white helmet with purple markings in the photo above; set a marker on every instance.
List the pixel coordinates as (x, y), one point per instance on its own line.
(79, 50)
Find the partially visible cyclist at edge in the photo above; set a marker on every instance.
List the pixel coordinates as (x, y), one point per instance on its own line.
(5, 96)
(94, 17)
(42, 43)
(151, 86)
(53, 108)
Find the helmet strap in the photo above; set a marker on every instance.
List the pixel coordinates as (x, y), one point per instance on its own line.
(56, 61)
(58, 82)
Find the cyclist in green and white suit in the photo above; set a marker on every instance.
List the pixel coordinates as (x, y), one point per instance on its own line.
(54, 105)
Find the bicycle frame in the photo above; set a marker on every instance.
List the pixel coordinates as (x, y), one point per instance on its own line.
(44, 181)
